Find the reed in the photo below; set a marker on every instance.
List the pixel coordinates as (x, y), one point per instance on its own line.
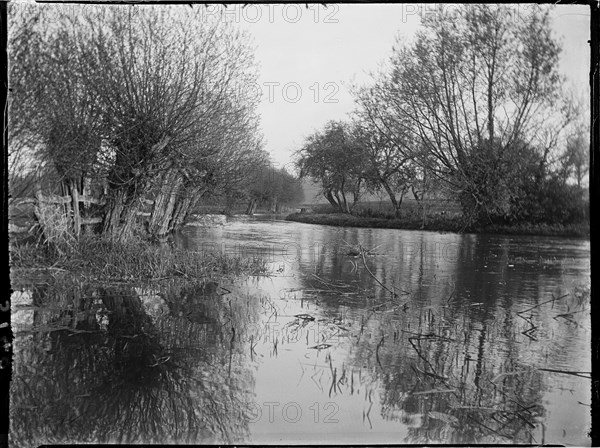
(105, 260)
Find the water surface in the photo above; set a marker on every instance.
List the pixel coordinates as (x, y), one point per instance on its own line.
(427, 338)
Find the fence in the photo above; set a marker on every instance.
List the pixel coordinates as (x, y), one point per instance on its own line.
(71, 210)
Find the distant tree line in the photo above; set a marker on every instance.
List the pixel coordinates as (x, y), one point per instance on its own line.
(150, 102)
(472, 108)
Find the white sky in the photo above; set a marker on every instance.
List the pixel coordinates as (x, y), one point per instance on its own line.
(313, 54)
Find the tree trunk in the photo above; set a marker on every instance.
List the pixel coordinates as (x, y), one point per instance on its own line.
(180, 213)
(392, 196)
(355, 195)
(424, 212)
(355, 199)
(185, 206)
(417, 198)
(472, 208)
(251, 207)
(112, 217)
(76, 215)
(329, 196)
(129, 221)
(346, 207)
(339, 202)
(164, 203)
(402, 193)
(120, 215)
(274, 205)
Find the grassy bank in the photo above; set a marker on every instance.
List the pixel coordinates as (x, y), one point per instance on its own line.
(238, 209)
(102, 260)
(439, 223)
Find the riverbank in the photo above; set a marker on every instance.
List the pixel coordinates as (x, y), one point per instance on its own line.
(440, 224)
(102, 260)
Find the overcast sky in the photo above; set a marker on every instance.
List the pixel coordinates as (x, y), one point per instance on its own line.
(308, 57)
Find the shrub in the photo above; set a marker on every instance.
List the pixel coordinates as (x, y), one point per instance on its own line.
(552, 202)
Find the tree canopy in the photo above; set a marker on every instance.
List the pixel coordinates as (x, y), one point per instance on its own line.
(473, 105)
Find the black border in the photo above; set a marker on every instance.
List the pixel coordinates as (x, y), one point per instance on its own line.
(594, 185)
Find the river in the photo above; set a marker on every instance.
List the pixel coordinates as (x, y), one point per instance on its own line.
(357, 336)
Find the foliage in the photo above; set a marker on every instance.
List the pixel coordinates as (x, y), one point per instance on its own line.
(474, 104)
(392, 151)
(273, 187)
(149, 99)
(334, 157)
(576, 159)
(551, 201)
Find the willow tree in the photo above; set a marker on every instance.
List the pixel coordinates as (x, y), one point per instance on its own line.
(235, 170)
(162, 78)
(475, 87)
(55, 120)
(389, 147)
(26, 87)
(232, 147)
(334, 158)
(273, 188)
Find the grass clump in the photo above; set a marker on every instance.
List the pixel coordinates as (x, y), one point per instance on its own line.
(106, 260)
(53, 227)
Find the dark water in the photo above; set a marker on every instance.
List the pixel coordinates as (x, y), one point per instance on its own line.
(430, 338)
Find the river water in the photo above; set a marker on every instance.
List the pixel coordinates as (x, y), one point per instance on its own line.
(357, 336)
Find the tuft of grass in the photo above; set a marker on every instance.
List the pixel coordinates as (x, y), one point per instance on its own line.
(54, 228)
(105, 260)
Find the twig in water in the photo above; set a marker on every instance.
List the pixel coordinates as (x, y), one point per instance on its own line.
(426, 362)
(377, 351)
(529, 332)
(569, 372)
(433, 375)
(543, 303)
(362, 253)
(333, 380)
(434, 391)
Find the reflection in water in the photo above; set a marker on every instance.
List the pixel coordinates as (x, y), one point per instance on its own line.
(144, 379)
(485, 339)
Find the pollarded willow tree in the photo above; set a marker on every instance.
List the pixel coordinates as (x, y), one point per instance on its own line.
(227, 174)
(51, 108)
(477, 87)
(147, 97)
(218, 156)
(24, 116)
(164, 79)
